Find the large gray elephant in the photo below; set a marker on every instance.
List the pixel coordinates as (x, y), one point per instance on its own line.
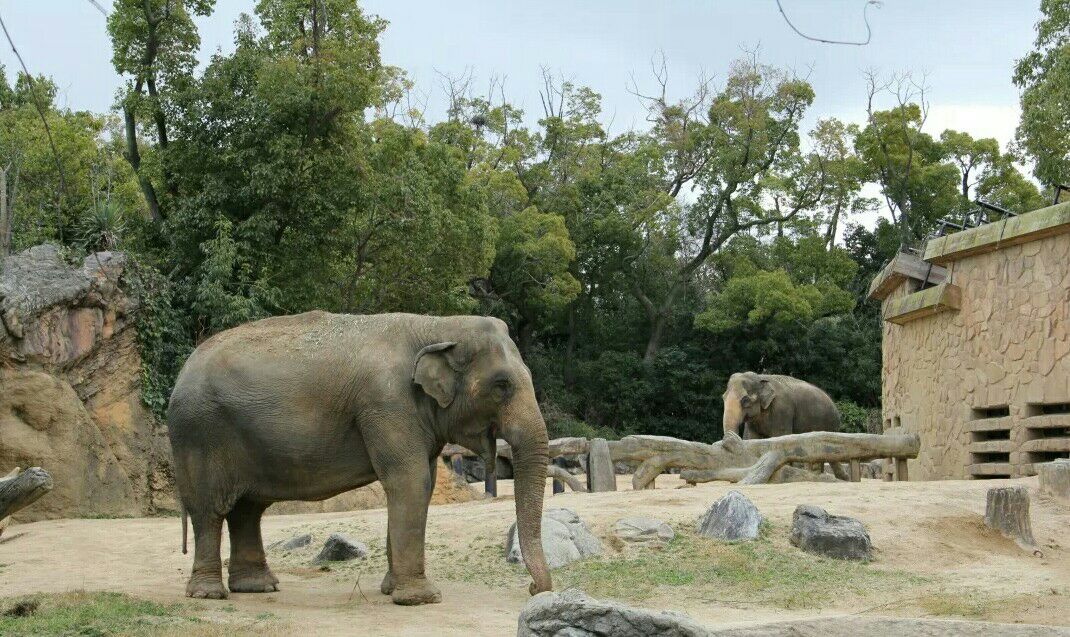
(769, 405)
(305, 407)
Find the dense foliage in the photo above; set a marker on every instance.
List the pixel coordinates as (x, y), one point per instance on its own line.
(637, 270)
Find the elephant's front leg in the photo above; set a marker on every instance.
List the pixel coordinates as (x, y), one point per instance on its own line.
(408, 495)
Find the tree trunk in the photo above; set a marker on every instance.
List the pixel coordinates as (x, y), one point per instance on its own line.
(19, 490)
(657, 331)
(133, 157)
(1007, 511)
(5, 220)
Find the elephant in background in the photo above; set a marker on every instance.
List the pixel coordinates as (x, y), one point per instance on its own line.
(306, 407)
(770, 405)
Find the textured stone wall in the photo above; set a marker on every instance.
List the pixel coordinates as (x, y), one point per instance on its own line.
(70, 388)
(987, 387)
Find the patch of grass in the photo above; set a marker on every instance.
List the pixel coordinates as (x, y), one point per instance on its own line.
(752, 572)
(85, 614)
(972, 604)
(91, 614)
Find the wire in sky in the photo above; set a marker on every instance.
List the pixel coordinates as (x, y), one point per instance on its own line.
(865, 18)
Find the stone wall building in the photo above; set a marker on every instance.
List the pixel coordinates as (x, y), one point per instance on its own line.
(975, 349)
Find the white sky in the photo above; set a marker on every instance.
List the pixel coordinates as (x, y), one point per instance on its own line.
(966, 49)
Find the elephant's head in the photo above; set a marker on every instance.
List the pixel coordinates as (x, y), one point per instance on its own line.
(482, 391)
(746, 396)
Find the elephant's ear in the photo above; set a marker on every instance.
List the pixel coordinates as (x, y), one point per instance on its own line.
(433, 373)
(766, 393)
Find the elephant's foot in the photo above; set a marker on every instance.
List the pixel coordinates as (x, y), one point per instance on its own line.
(206, 587)
(416, 591)
(388, 585)
(256, 578)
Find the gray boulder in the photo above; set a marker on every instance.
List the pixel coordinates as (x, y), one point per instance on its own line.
(339, 548)
(296, 542)
(571, 613)
(814, 530)
(565, 539)
(639, 529)
(734, 517)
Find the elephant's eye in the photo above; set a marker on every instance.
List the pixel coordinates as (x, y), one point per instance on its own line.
(746, 400)
(501, 388)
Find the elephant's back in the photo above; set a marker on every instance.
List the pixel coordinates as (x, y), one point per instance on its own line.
(815, 409)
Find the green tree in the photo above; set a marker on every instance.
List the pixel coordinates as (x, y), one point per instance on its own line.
(1043, 76)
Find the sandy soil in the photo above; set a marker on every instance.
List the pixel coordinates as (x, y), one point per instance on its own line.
(928, 528)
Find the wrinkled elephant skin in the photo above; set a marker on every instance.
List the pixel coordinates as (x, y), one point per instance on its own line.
(305, 407)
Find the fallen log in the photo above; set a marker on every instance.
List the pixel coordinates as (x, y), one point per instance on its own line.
(19, 490)
(757, 461)
(559, 473)
(733, 459)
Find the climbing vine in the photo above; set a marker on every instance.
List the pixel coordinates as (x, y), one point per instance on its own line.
(163, 336)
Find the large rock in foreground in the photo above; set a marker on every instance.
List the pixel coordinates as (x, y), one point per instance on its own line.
(814, 530)
(734, 517)
(565, 539)
(572, 613)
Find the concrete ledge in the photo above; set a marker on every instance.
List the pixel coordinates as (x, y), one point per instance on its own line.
(902, 267)
(1053, 444)
(991, 469)
(1031, 226)
(988, 446)
(990, 424)
(941, 298)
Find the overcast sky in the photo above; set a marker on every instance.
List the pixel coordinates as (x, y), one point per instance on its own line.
(967, 49)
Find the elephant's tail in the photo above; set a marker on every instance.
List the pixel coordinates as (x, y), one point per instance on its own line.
(184, 530)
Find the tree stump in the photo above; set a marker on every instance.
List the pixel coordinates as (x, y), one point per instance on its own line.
(1007, 511)
(19, 490)
(1055, 479)
(600, 473)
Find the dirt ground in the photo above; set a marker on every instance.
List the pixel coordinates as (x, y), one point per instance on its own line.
(931, 530)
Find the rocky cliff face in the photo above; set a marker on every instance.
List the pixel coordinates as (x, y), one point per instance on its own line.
(70, 388)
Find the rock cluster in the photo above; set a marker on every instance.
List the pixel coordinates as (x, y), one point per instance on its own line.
(734, 517)
(814, 530)
(565, 539)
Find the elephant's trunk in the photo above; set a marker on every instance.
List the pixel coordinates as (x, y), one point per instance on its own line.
(733, 413)
(527, 436)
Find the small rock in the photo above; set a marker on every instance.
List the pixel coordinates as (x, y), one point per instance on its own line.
(339, 548)
(565, 539)
(643, 529)
(733, 517)
(296, 542)
(571, 613)
(814, 530)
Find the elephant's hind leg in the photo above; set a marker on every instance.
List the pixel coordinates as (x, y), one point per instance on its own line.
(249, 572)
(206, 580)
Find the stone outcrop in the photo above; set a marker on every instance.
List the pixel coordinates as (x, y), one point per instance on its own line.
(565, 539)
(733, 517)
(70, 388)
(814, 530)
